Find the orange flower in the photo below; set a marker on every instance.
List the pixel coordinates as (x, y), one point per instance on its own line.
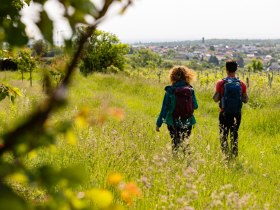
(130, 191)
(132, 188)
(117, 113)
(126, 197)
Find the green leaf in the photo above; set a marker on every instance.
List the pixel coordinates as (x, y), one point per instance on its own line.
(15, 33)
(40, 1)
(10, 200)
(2, 96)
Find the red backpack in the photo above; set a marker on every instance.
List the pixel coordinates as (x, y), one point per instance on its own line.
(184, 103)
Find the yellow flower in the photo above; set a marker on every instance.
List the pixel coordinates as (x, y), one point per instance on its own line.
(71, 138)
(81, 118)
(81, 121)
(114, 178)
(102, 198)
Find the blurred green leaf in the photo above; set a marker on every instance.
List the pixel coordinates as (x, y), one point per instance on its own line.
(6, 168)
(40, 1)
(10, 201)
(85, 7)
(62, 127)
(15, 33)
(2, 96)
(75, 174)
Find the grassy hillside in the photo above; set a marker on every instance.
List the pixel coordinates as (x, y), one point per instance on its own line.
(126, 142)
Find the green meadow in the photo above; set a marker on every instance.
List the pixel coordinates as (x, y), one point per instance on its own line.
(120, 136)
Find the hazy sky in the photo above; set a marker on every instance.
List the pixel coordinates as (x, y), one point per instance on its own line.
(172, 20)
(165, 20)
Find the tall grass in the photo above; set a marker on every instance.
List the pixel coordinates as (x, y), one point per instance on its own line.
(202, 180)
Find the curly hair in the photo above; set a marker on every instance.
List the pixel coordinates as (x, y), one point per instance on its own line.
(183, 73)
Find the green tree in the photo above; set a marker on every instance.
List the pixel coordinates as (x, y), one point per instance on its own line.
(213, 59)
(40, 47)
(25, 63)
(257, 65)
(249, 67)
(103, 50)
(195, 65)
(145, 58)
(212, 48)
(170, 54)
(167, 64)
(240, 62)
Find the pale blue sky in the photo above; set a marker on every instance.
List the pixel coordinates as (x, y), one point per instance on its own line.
(165, 20)
(172, 20)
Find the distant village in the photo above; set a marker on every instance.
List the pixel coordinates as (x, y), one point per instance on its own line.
(265, 50)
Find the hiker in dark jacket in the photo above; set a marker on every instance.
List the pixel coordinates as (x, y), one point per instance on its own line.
(230, 93)
(178, 105)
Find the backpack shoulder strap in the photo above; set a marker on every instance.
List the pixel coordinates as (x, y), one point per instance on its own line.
(169, 89)
(225, 80)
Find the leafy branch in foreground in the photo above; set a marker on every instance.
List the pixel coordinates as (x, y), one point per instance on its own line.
(9, 91)
(34, 133)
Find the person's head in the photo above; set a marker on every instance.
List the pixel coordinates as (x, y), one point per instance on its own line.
(182, 73)
(231, 66)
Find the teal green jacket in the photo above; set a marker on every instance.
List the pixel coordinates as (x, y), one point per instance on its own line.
(168, 106)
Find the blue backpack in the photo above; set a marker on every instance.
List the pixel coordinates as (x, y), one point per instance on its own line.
(231, 101)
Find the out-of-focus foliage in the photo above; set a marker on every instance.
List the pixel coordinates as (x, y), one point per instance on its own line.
(57, 187)
(12, 30)
(8, 91)
(103, 50)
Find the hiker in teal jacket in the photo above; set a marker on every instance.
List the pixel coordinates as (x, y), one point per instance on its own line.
(179, 127)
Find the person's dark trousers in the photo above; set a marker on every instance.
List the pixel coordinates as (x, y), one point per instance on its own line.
(179, 137)
(229, 123)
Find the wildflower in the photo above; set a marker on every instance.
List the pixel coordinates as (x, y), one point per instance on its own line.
(81, 117)
(117, 113)
(130, 191)
(114, 178)
(71, 138)
(102, 198)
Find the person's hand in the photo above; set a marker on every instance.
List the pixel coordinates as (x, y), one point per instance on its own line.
(157, 129)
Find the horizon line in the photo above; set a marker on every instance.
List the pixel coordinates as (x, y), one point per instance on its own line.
(195, 39)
